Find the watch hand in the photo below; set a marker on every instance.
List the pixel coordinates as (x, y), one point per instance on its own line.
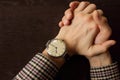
(56, 49)
(54, 46)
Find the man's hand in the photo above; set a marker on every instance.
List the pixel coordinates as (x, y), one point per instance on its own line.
(101, 21)
(86, 7)
(80, 35)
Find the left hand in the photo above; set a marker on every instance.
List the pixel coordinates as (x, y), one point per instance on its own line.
(102, 36)
(80, 35)
(105, 30)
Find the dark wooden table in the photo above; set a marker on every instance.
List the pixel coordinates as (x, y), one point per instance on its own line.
(26, 25)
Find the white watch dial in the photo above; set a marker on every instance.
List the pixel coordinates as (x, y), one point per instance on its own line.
(56, 48)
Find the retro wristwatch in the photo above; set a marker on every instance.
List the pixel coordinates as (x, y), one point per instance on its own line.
(56, 48)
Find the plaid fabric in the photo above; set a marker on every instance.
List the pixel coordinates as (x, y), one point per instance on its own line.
(110, 72)
(39, 68)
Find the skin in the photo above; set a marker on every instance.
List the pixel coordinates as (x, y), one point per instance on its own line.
(80, 35)
(81, 19)
(102, 36)
(103, 25)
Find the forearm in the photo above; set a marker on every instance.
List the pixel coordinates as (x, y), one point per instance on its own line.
(103, 68)
(40, 67)
(103, 59)
(109, 72)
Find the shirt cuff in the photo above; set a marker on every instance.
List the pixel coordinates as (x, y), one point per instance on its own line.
(39, 68)
(110, 72)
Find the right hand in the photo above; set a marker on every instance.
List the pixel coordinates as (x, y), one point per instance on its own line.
(86, 7)
(102, 36)
(80, 35)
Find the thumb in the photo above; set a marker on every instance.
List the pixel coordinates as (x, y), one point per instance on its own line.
(108, 44)
(101, 48)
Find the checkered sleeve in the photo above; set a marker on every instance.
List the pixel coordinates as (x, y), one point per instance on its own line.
(39, 68)
(110, 72)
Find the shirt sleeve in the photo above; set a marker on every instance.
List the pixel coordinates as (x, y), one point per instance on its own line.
(39, 68)
(110, 72)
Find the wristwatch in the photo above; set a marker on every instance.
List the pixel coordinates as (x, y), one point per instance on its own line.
(56, 48)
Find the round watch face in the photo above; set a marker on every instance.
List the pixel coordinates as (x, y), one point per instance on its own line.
(56, 48)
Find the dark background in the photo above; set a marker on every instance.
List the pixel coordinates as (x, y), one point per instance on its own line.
(26, 25)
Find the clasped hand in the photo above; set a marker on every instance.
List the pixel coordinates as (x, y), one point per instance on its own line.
(80, 35)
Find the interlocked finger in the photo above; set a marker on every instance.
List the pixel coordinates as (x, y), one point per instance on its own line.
(100, 12)
(82, 6)
(90, 8)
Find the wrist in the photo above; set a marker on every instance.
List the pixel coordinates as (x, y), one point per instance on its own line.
(58, 61)
(103, 59)
(69, 49)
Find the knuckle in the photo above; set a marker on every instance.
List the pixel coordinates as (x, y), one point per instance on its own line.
(84, 2)
(108, 31)
(105, 19)
(67, 11)
(74, 2)
(94, 6)
(64, 20)
(87, 18)
(81, 14)
(93, 27)
(101, 11)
